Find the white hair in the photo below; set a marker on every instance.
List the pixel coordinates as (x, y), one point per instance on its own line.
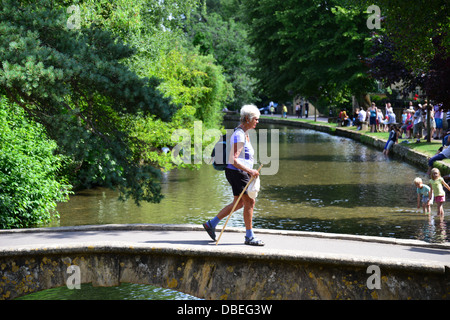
(248, 112)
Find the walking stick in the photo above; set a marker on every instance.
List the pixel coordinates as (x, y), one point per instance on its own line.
(235, 204)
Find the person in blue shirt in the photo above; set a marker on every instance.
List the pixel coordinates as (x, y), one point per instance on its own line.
(424, 195)
(373, 117)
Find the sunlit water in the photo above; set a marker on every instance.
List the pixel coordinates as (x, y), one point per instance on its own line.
(126, 291)
(324, 183)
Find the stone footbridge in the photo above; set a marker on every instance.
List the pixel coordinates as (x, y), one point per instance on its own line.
(292, 265)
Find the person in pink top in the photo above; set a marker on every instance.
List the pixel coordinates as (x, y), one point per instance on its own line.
(437, 184)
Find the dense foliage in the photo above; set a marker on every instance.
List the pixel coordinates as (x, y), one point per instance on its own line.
(30, 183)
(419, 29)
(72, 82)
(314, 48)
(218, 29)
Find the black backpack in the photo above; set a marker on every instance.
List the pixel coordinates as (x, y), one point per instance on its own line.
(221, 149)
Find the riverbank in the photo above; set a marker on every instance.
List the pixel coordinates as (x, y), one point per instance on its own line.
(406, 150)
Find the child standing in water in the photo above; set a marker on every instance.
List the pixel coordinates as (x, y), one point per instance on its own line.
(423, 193)
(437, 183)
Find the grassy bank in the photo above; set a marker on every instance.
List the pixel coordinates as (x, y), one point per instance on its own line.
(428, 148)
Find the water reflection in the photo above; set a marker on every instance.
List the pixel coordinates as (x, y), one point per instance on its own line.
(324, 183)
(435, 229)
(126, 291)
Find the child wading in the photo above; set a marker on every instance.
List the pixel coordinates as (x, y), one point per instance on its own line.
(423, 193)
(437, 183)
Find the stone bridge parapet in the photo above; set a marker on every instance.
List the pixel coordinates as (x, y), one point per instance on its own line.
(294, 265)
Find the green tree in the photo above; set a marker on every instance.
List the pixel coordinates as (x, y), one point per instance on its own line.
(73, 83)
(413, 27)
(131, 19)
(314, 48)
(193, 81)
(30, 177)
(226, 40)
(163, 52)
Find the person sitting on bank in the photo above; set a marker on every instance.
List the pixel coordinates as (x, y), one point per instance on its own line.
(360, 118)
(343, 118)
(443, 154)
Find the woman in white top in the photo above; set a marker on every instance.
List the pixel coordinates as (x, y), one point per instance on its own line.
(238, 172)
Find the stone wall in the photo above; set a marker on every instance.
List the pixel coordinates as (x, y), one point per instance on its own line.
(215, 275)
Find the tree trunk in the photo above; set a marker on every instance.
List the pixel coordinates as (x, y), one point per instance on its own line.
(365, 101)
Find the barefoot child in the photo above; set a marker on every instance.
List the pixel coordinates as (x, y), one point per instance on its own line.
(436, 183)
(423, 193)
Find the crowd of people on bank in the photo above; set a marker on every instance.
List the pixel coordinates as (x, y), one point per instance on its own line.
(379, 120)
(413, 123)
(413, 120)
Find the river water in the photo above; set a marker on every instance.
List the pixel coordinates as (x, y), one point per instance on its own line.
(324, 183)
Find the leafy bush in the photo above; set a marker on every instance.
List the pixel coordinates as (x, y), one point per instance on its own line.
(29, 183)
